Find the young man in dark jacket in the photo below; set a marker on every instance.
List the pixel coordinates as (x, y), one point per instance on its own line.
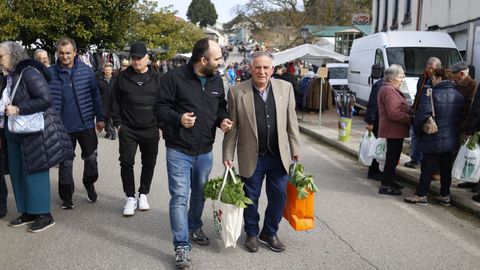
(76, 98)
(134, 94)
(190, 107)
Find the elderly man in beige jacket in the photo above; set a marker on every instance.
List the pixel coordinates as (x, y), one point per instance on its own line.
(265, 133)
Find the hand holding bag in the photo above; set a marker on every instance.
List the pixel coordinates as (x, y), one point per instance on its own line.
(430, 126)
(227, 218)
(25, 124)
(367, 140)
(299, 212)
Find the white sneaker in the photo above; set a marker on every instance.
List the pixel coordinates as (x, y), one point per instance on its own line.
(130, 206)
(143, 203)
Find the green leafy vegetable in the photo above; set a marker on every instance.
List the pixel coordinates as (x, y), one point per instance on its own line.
(232, 192)
(303, 183)
(473, 141)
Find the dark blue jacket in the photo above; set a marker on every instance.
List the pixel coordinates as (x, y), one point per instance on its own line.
(44, 150)
(371, 115)
(85, 87)
(448, 104)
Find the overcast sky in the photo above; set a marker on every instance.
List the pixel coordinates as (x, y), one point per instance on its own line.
(223, 7)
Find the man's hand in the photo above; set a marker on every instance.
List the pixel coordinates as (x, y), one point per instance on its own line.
(100, 126)
(188, 119)
(296, 158)
(228, 163)
(226, 125)
(369, 127)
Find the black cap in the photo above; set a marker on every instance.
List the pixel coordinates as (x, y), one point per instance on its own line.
(138, 49)
(459, 66)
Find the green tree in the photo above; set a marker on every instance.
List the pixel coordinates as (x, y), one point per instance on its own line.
(42, 22)
(161, 30)
(203, 12)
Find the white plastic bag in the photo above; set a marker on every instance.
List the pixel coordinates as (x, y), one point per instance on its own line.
(367, 140)
(381, 165)
(227, 218)
(378, 149)
(467, 164)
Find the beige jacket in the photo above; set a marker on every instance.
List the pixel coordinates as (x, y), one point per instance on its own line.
(243, 134)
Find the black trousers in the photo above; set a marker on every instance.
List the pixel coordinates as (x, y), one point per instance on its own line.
(87, 139)
(394, 150)
(430, 162)
(130, 139)
(3, 194)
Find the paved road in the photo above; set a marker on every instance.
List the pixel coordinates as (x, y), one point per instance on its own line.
(355, 227)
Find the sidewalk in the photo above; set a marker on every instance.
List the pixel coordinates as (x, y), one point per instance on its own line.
(328, 133)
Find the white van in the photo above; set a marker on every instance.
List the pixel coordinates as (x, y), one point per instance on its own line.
(410, 49)
(338, 75)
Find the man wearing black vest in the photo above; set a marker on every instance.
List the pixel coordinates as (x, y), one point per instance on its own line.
(265, 132)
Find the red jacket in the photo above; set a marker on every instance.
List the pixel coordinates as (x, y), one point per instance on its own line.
(393, 110)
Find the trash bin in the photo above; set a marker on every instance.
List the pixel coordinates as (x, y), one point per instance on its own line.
(344, 126)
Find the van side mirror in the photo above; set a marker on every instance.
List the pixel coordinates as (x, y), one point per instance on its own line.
(377, 72)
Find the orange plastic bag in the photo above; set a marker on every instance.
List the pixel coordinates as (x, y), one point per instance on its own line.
(299, 213)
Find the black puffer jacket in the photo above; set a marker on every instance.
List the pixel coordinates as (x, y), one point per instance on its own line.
(44, 150)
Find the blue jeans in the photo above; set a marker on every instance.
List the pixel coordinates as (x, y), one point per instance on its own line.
(415, 153)
(277, 179)
(186, 173)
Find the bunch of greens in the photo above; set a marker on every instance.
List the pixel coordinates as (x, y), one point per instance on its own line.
(232, 192)
(303, 183)
(473, 141)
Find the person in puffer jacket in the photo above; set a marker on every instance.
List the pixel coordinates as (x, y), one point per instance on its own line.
(437, 148)
(75, 96)
(30, 156)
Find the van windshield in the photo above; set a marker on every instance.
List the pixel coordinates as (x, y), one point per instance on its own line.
(414, 59)
(337, 72)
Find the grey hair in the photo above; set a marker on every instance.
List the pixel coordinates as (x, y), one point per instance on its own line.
(393, 71)
(261, 53)
(37, 51)
(434, 61)
(16, 51)
(64, 41)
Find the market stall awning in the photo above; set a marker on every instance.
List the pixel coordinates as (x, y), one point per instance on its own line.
(307, 52)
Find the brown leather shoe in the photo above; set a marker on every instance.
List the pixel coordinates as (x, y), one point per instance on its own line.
(251, 244)
(273, 242)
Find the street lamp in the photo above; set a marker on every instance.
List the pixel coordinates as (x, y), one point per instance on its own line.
(304, 34)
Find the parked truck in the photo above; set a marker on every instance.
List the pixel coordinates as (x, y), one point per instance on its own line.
(410, 49)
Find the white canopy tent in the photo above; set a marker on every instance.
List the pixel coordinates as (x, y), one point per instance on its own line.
(308, 52)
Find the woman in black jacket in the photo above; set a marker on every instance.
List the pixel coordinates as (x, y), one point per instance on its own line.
(31, 156)
(437, 148)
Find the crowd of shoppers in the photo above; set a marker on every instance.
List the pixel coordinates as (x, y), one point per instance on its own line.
(186, 105)
(448, 93)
